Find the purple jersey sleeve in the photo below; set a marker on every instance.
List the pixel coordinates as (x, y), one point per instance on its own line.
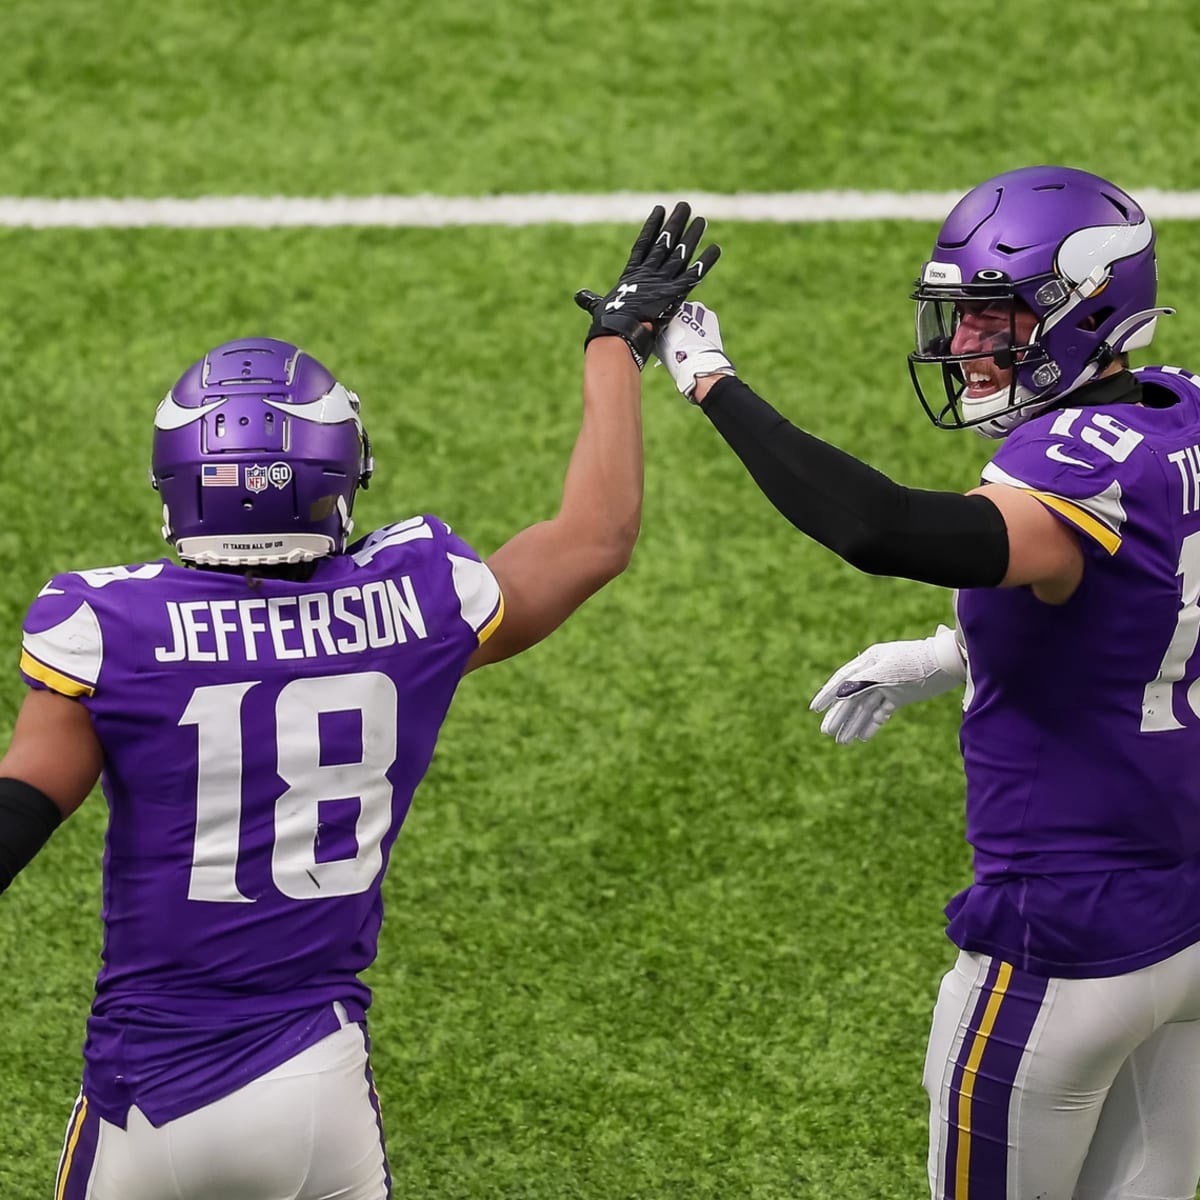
(1080, 464)
(62, 639)
(480, 600)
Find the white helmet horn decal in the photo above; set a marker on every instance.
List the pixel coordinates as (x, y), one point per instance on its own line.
(1101, 246)
(337, 405)
(172, 415)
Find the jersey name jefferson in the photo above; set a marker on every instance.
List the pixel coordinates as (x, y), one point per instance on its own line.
(346, 620)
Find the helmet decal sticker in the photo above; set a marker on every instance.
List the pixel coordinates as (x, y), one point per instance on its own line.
(171, 415)
(256, 478)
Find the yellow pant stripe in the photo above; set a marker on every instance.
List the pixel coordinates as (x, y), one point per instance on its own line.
(962, 1163)
(72, 1141)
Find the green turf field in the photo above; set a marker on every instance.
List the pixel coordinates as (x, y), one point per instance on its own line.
(649, 935)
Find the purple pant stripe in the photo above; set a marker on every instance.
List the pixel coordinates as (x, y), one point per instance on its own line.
(79, 1153)
(951, 1157)
(387, 1173)
(991, 1093)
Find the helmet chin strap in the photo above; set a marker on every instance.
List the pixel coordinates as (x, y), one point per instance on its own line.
(1023, 404)
(1004, 422)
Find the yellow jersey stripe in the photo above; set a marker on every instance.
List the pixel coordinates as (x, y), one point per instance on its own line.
(55, 680)
(1080, 517)
(494, 624)
(72, 1142)
(962, 1164)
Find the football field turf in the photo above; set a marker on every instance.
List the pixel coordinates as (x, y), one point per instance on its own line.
(648, 934)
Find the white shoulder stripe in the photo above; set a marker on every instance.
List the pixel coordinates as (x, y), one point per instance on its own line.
(477, 588)
(1105, 506)
(74, 647)
(994, 474)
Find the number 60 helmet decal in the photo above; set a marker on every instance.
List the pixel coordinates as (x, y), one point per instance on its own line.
(1069, 248)
(258, 452)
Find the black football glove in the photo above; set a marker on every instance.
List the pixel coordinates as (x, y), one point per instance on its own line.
(655, 282)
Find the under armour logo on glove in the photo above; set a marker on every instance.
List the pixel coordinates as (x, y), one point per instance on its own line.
(623, 289)
(656, 280)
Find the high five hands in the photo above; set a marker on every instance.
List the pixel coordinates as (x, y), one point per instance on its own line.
(655, 282)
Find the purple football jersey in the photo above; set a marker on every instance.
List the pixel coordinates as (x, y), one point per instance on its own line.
(1081, 727)
(262, 741)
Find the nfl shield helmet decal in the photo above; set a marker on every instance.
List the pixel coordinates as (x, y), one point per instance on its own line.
(256, 478)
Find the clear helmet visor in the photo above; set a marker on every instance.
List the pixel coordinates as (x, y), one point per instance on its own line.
(975, 353)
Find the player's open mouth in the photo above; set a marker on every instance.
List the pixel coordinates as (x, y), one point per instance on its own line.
(980, 384)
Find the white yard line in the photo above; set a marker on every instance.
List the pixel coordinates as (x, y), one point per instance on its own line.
(533, 209)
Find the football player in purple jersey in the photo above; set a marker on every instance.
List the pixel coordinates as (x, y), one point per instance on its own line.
(1064, 1054)
(260, 717)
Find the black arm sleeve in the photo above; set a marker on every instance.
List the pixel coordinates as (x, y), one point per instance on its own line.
(27, 819)
(876, 525)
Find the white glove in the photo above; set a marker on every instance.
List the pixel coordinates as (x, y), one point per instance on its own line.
(862, 695)
(690, 346)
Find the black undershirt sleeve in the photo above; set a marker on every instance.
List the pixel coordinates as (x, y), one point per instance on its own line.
(944, 538)
(27, 819)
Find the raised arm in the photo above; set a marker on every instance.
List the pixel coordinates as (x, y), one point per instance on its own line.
(993, 537)
(547, 571)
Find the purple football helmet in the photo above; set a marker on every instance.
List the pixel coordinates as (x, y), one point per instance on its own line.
(1067, 258)
(258, 452)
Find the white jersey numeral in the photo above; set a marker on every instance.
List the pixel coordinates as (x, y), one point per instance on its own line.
(217, 714)
(297, 812)
(1157, 700)
(1108, 435)
(216, 711)
(1101, 430)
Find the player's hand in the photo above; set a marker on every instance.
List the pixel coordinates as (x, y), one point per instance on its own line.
(864, 693)
(690, 346)
(656, 280)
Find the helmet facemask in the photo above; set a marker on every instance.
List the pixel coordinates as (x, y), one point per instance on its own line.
(982, 338)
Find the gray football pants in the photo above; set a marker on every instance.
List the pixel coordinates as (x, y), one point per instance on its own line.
(1065, 1089)
(308, 1130)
